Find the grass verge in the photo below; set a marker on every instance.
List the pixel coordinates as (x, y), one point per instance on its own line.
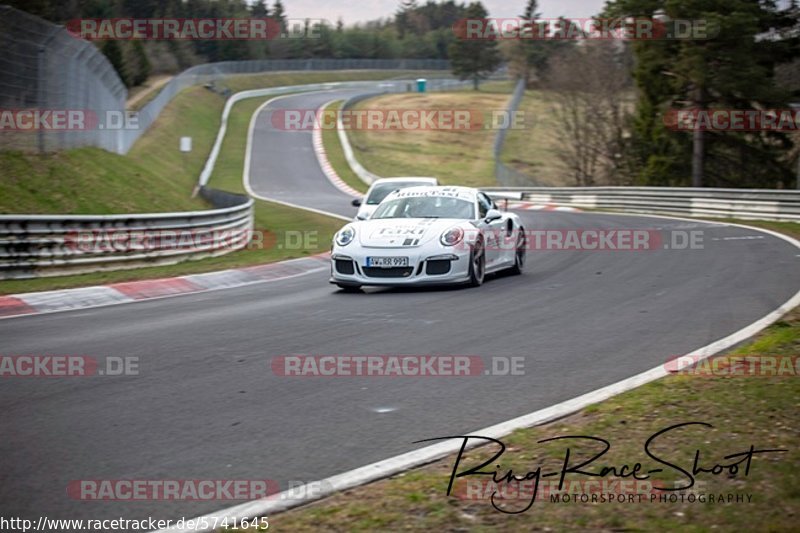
(336, 157)
(533, 150)
(761, 411)
(455, 157)
(792, 229)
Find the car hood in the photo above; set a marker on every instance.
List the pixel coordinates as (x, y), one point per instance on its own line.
(402, 232)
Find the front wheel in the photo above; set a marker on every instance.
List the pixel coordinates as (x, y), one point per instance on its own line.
(477, 264)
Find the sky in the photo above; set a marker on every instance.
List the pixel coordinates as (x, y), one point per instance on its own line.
(353, 11)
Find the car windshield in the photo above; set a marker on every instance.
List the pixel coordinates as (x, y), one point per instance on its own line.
(382, 190)
(426, 207)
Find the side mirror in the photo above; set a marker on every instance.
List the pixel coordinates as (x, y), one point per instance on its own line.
(493, 214)
(362, 216)
(356, 202)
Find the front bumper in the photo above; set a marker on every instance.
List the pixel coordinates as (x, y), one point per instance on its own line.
(431, 268)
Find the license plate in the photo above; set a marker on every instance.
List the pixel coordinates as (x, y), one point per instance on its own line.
(387, 262)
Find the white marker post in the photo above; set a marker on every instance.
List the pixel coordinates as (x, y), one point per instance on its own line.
(185, 148)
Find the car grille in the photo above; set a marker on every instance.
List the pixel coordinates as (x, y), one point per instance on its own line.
(436, 267)
(345, 266)
(394, 272)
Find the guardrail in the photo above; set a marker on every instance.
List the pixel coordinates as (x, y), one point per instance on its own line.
(55, 245)
(753, 204)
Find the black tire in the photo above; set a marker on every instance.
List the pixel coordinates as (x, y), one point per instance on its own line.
(349, 288)
(477, 264)
(519, 254)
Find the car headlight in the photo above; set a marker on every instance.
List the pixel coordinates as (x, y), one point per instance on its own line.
(452, 236)
(345, 236)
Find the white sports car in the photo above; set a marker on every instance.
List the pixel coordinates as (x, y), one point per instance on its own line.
(428, 235)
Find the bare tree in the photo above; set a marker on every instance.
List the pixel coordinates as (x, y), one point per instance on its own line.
(591, 91)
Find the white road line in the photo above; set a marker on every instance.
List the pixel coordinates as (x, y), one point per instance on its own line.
(325, 164)
(400, 463)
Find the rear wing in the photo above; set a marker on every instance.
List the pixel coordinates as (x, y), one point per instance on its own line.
(504, 196)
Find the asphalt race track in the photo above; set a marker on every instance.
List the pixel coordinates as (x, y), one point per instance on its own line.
(206, 404)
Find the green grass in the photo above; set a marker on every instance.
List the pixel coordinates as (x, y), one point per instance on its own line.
(335, 154)
(454, 157)
(154, 176)
(761, 411)
(533, 150)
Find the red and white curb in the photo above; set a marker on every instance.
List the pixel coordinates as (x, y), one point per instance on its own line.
(327, 168)
(531, 206)
(33, 303)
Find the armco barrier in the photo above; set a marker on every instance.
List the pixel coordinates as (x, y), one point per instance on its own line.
(55, 245)
(753, 204)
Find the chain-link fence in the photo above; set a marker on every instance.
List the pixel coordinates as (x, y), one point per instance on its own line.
(507, 176)
(42, 67)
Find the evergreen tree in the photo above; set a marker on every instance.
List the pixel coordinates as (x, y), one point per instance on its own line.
(142, 65)
(474, 59)
(259, 9)
(733, 69)
(113, 53)
(279, 14)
